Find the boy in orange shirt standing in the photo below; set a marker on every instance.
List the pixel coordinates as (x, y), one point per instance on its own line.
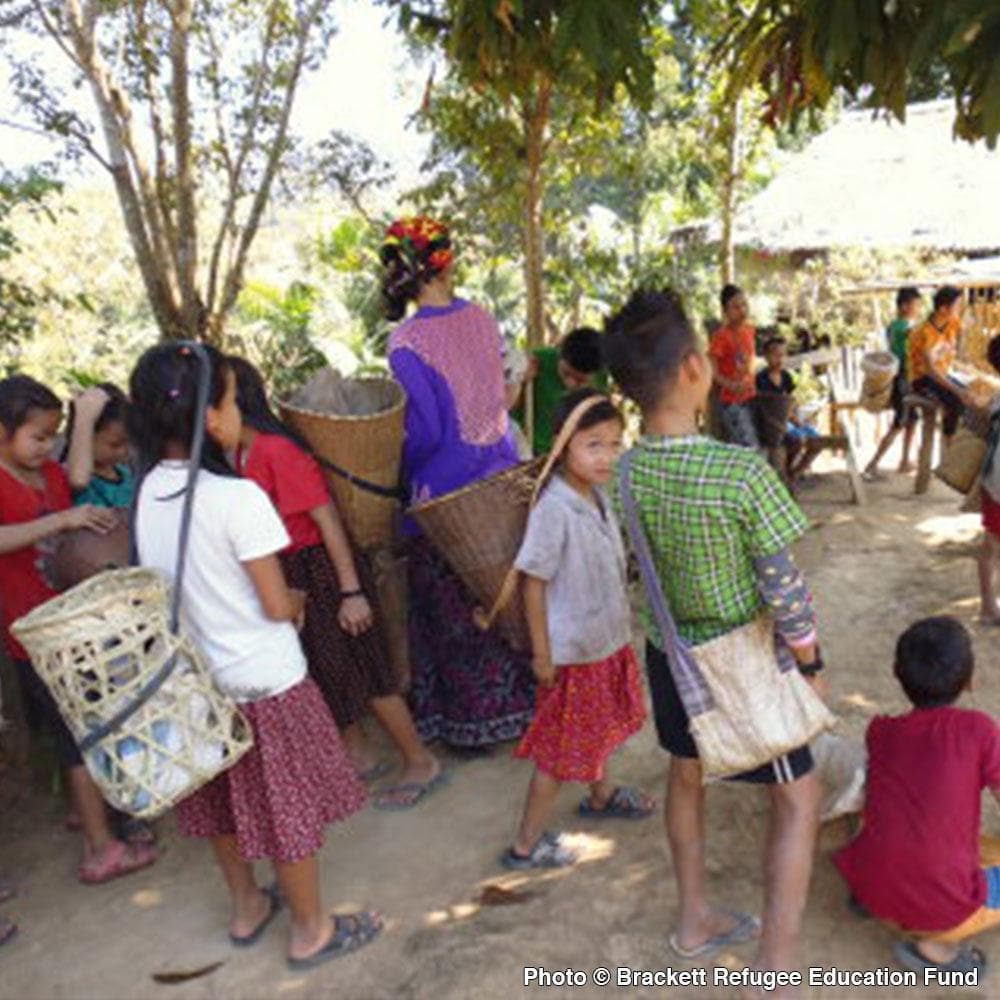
(932, 354)
(733, 352)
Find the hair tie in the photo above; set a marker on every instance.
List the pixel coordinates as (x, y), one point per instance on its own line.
(173, 393)
(184, 351)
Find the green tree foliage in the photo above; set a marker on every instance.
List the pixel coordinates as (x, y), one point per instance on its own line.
(802, 51)
(192, 101)
(534, 58)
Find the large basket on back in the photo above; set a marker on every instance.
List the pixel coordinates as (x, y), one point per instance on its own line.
(771, 412)
(479, 531)
(355, 425)
(879, 368)
(99, 647)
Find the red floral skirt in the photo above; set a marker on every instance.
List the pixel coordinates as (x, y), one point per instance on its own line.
(280, 795)
(579, 722)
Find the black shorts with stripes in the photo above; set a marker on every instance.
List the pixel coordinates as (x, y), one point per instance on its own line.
(673, 728)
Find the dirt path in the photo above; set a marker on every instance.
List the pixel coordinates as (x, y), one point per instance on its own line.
(872, 571)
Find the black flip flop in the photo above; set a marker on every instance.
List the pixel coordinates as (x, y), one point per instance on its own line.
(967, 960)
(248, 940)
(350, 932)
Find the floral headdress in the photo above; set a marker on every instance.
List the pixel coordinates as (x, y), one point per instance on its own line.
(421, 242)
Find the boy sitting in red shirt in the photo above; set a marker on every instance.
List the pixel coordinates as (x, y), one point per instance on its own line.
(733, 353)
(919, 862)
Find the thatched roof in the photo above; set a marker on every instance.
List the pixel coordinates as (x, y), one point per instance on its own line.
(874, 183)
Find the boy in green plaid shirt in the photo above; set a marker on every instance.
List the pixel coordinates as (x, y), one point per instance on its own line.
(719, 523)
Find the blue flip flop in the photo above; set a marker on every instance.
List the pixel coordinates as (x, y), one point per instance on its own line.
(419, 790)
(274, 904)
(625, 803)
(350, 932)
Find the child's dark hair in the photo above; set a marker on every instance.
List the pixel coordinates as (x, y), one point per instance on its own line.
(251, 397)
(993, 352)
(581, 349)
(598, 414)
(645, 344)
(905, 296)
(728, 293)
(946, 296)
(776, 341)
(163, 388)
(115, 411)
(934, 661)
(19, 395)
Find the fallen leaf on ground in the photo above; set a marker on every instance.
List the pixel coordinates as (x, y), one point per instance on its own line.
(171, 978)
(497, 895)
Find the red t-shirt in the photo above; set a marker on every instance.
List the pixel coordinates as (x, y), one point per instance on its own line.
(22, 587)
(916, 860)
(294, 482)
(734, 352)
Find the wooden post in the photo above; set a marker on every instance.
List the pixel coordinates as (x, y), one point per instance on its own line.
(927, 431)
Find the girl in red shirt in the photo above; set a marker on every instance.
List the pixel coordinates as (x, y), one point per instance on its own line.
(343, 641)
(35, 507)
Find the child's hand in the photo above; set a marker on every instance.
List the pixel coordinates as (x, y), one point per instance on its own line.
(819, 685)
(298, 606)
(355, 616)
(89, 404)
(545, 671)
(99, 519)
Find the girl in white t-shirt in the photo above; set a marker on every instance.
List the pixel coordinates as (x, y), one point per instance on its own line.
(275, 801)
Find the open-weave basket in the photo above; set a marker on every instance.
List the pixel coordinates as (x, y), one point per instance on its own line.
(479, 531)
(962, 463)
(880, 368)
(361, 433)
(97, 647)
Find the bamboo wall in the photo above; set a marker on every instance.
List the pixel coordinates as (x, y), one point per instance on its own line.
(980, 323)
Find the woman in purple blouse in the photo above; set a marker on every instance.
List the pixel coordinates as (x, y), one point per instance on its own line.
(468, 687)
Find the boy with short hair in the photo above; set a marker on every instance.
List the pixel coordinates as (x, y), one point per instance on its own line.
(733, 353)
(719, 524)
(931, 355)
(577, 363)
(800, 439)
(898, 339)
(919, 862)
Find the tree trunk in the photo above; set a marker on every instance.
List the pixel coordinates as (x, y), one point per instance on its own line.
(730, 189)
(535, 115)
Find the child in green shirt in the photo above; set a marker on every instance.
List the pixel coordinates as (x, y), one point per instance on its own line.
(898, 337)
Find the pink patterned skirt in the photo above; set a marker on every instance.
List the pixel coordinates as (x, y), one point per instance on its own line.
(278, 798)
(579, 722)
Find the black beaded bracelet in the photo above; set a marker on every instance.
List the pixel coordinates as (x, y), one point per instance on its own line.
(344, 594)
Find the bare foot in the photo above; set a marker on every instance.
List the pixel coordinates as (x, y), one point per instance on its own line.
(422, 773)
(248, 915)
(905, 467)
(305, 943)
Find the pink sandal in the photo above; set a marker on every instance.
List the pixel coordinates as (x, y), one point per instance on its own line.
(116, 860)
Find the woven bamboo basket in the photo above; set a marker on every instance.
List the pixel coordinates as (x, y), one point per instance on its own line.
(479, 530)
(97, 647)
(879, 368)
(356, 424)
(963, 461)
(771, 410)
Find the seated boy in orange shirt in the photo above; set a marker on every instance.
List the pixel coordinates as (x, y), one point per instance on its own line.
(733, 352)
(932, 351)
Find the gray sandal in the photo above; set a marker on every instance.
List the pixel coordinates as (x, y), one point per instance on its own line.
(351, 931)
(746, 928)
(548, 852)
(967, 960)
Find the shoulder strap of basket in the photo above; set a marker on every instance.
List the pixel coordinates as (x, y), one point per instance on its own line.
(691, 686)
(565, 435)
(158, 679)
(389, 492)
(992, 443)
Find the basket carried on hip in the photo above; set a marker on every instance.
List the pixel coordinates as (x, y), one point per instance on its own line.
(355, 429)
(880, 368)
(137, 695)
(480, 529)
